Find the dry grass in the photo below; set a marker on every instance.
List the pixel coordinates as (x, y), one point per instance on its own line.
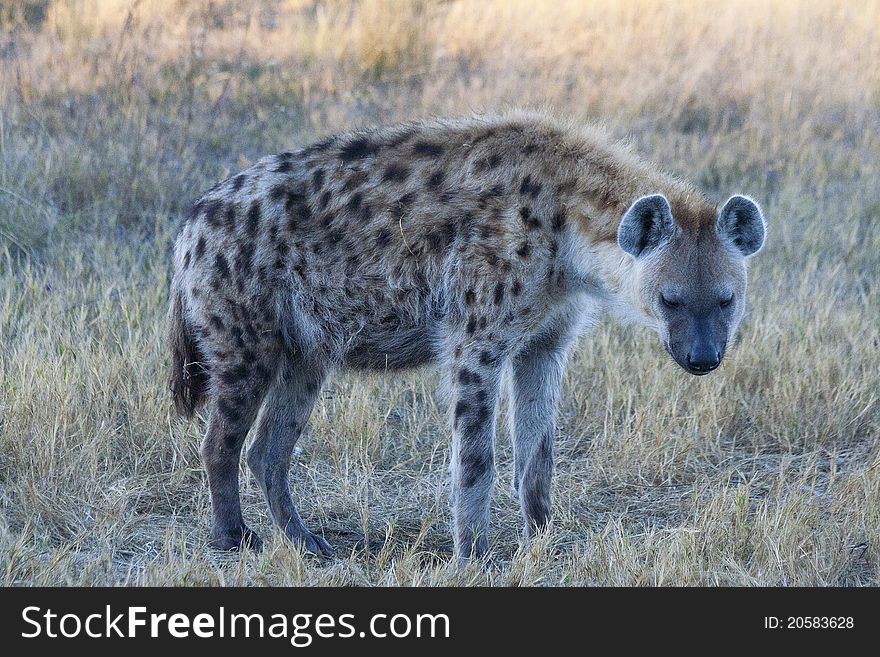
(115, 114)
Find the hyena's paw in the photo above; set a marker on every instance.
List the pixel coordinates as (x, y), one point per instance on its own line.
(235, 539)
(308, 541)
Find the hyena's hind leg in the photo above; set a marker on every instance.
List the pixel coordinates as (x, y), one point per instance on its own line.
(535, 385)
(240, 379)
(283, 417)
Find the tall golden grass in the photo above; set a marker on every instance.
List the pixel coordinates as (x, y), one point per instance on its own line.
(115, 114)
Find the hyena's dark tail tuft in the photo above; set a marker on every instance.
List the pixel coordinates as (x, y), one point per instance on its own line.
(189, 375)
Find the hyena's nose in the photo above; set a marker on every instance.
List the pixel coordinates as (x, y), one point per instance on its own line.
(703, 361)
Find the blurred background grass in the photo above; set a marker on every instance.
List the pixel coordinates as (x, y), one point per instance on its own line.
(116, 114)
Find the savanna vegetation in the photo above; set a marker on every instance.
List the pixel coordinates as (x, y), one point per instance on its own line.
(116, 114)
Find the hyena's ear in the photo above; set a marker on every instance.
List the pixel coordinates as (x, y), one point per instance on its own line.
(646, 225)
(741, 221)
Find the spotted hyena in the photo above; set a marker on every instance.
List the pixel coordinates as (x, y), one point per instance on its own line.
(484, 245)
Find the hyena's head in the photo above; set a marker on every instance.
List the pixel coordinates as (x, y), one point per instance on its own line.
(690, 277)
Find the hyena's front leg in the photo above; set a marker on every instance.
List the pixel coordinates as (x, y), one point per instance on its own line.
(475, 384)
(536, 382)
(283, 417)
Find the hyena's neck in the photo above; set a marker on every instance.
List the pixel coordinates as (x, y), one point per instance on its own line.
(602, 180)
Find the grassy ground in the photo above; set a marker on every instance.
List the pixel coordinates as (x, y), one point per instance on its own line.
(114, 115)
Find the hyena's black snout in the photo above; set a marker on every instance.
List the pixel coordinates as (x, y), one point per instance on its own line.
(700, 352)
(703, 359)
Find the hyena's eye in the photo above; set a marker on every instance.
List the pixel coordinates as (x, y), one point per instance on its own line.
(726, 302)
(669, 303)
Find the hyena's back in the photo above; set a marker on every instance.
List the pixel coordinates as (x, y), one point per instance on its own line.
(359, 247)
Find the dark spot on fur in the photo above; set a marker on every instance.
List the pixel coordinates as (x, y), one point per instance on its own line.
(221, 266)
(401, 138)
(498, 296)
(476, 464)
(325, 200)
(216, 323)
(545, 451)
(451, 232)
(427, 149)
(186, 257)
(466, 377)
(284, 166)
(435, 242)
(517, 288)
(446, 197)
(200, 247)
(318, 147)
(529, 188)
(489, 162)
(212, 209)
(318, 180)
(461, 408)
(470, 297)
(471, 325)
(383, 237)
(297, 209)
(229, 217)
(366, 213)
(253, 219)
(488, 231)
(486, 357)
(194, 211)
(436, 179)
(524, 250)
(402, 205)
(558, 222)
(355, 179)
(236, 374)
(238, 182)
(354, 203)
(483, 414)
(358, 148)
(278, 192)
(395, 173)
(529, 220)
(244, 261)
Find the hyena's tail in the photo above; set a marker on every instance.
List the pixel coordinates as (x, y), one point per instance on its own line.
(189, 376)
